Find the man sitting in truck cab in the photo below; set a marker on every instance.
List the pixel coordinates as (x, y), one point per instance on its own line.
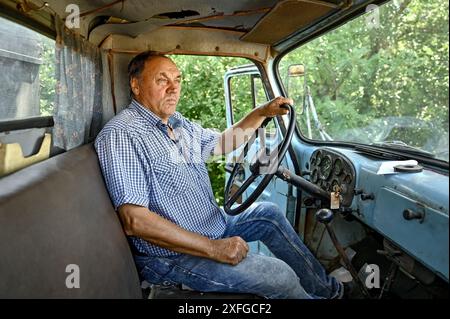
(152, 159)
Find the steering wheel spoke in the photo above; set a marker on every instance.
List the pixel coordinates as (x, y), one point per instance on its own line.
(240, 191)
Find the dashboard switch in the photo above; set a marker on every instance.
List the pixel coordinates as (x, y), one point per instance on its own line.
(409, 214)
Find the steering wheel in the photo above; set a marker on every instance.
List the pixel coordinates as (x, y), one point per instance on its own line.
(268, 163)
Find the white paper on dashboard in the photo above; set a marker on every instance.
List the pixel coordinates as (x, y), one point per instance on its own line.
(388, 167)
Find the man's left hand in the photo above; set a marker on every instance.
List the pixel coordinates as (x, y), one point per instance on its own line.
(273, 107)
(239, 132)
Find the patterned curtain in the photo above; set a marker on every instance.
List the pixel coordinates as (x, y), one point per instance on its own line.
(78, 101)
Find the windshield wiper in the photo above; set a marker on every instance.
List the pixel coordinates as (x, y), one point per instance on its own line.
(403, 147)
(379, 152)
(398, 153)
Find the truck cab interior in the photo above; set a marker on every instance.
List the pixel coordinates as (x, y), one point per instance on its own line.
(359, 165)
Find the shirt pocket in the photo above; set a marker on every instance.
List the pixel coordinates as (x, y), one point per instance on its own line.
(171, 176)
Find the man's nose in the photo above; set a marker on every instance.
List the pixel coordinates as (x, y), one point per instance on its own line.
(173, 86)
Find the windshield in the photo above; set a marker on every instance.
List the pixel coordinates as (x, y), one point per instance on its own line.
(381, 79)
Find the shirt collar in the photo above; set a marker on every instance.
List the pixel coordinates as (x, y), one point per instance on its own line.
(174, 121)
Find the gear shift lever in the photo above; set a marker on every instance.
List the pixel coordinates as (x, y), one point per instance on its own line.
(325, 216)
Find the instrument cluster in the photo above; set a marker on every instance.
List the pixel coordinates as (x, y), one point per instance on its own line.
(333, 172)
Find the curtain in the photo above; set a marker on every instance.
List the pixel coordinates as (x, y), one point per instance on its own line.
(78, 96)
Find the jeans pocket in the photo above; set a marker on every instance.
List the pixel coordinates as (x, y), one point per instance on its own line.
(156, 271)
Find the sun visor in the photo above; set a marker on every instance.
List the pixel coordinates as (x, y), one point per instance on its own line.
(286, 18)
(182, 40)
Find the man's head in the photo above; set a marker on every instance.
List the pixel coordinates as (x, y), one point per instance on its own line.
(155, 82)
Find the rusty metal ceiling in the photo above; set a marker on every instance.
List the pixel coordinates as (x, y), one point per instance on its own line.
(99, 18)
(248, 28)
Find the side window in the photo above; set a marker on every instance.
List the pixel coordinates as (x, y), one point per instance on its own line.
(27, 89)
(247, 91)
(27, 81)
(242, 100)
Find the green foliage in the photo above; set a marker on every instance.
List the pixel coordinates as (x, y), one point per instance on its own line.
(47, 81)
(241, 96)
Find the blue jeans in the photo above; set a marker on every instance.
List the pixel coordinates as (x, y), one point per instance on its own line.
(294, 274)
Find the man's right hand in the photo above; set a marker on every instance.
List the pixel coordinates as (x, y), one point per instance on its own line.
(229, 250)
(140, 222)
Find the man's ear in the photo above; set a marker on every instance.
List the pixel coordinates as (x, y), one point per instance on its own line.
(134, 84)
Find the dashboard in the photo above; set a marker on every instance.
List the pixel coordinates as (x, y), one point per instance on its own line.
(333, 172)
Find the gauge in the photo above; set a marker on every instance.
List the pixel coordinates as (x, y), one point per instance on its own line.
(338, 167)
(318, 158)
(312, 160)
(315, 176)
(326, 166)
(348, 178)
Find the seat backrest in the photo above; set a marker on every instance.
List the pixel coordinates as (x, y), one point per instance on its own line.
(56, 218)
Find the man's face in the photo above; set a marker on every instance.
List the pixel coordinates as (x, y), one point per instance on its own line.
(158, 87)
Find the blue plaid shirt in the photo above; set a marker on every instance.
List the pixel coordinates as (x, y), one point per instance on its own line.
(142, 165)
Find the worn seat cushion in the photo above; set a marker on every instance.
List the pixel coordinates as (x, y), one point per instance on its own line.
(58, 213)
